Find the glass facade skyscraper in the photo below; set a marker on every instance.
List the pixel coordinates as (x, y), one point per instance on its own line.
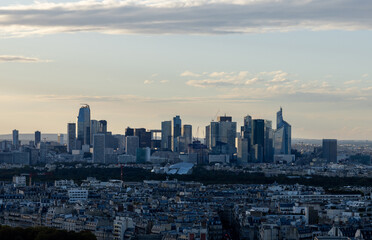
(176, 132)
(83, 126)
(282, 136)
(166, 135)
(37, 137)
(220, 136)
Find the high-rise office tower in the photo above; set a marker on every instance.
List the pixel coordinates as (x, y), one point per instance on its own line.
(176, 132)
(129, 131)
(15, 139)
(71, 137)
(37, 137)
(282, 135)
(187, 135)
(258, 139)
(83, 125)
(166, 135)
(131, 145)
(220, 136)
(245, 141)
(330, 150)
(268, 154)
(144, 137)
(99, 148)
(246, 130)
(103, 126)
(94, 128)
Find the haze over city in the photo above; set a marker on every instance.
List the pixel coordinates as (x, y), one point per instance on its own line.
(142, 62)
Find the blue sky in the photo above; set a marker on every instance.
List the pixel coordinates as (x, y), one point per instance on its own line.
(140, 63)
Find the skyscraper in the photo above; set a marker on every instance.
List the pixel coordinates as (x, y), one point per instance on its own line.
(103, 126)
(258, 133)
(220, 136)
(99, 148)
(176, 132)
(244, 143)
(268, 154)
(258, 140)
(129, 131)
(71, 137)
(37, 137)
(187, 134)
(282, 135)
(83, 125)
(94, 128)
(15, 139)
(131, 145)
(166, 135)
(330, 150)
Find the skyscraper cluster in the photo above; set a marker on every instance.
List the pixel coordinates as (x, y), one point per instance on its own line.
(256, 142)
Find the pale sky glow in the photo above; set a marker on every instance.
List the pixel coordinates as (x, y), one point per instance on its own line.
(137, 63)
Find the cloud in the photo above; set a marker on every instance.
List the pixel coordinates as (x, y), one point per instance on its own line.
(22, 59)
(242, 78)
(184, 16)
(275, 85)
(189, 74)
(148, 82)
(127, 99)
(365, 75)
(164, 81)
(351, 82)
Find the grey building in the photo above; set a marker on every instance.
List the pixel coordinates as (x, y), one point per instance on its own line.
(187, 134)
(15, 139)
(37, 137)
(99, 148)
(102, 126)
(166, 135)
(176, 132)
(71, 137)
(221, 135)
(329, 147)
(94, 128)
(131, 145)
(258, 139)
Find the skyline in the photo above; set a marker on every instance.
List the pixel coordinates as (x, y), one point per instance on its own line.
(310, 57)
(198, 133)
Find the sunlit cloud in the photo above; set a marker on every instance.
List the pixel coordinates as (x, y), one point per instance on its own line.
(21, 59)
(279, 85)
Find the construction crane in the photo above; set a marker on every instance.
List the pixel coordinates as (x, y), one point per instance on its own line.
(195, 138)
(215, 116)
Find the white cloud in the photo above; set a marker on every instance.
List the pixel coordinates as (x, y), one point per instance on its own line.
(184, 16)
(164, 81)
(189, 74)
(225, 79)
(279, 85)
(365, 75)
(352, 82)
(148, 82)
(22, 59)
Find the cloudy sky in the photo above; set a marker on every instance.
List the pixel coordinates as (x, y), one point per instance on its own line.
(137, 63)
